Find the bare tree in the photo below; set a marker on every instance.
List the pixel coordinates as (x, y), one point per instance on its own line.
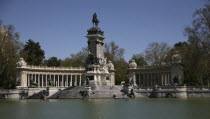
(113, 52)
(156, 52)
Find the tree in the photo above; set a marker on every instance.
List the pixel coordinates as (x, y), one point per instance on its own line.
(199, 47)
(67, 62)
(139, 59)
(116, 54)
(180, 48)
(32, 53)
(53, 61)
(76, 60)
(156, 53)
(113, 52)
(120, 70)
(9, 55)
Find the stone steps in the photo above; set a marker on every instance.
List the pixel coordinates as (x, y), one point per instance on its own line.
(102, 91)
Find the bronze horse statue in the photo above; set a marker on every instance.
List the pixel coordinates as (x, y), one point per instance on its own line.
(95, 20)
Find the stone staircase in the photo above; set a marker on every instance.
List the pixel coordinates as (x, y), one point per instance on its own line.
(102, 91)
(72, 92)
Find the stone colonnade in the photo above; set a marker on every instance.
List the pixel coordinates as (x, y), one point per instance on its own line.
(58, 79)
(151, 79)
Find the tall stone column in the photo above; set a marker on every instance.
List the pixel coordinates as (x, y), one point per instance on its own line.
(42, 81)
(75, 80)
(169, 81)
(28, 78)
(151, 78)
(146, 78)
(53, 79)
(46, 80)
(139, 75)
(23, 79)
(95, 78)
(80, 80)
(67, 80)
(71, 81)
(35, 78)
(165, 79)
(58, 80)
(62, 85)
(99, 79)
(32, 77)
(134, 79)
(38, 80)
(161, 79)
(139, 79)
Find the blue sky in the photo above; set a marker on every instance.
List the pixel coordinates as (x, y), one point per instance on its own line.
(61, 25)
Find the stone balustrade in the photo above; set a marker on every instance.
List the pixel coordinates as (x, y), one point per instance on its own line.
(52, 68)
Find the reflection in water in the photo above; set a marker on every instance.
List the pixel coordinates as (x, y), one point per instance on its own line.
(106, 109)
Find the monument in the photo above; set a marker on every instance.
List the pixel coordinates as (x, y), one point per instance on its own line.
(98, 71)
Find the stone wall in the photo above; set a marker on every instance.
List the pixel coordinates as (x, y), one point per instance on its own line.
(54, 93)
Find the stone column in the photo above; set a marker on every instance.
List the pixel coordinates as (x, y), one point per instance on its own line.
(143, 80)
(56, 83)
(54, 80)
(147, 80)
(67, 80)
(62, 85)
(28, 77)
(35, 78)
(154, 80)
(134, 79)
(95, 78)
(169, 81)
(71, 81)
(58, 80)
(151, 79)
(75, 80)
(80, 80)
(31, 75)
(158, 78)
(24, 79)
(42, 80)
(99, 79)
(139, 80)
(46, 80)
(64, 80)
(38, 80)
(165, 78)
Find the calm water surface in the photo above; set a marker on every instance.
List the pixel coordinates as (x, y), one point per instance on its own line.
(106, 109)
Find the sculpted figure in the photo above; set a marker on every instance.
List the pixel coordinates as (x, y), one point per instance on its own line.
(33, 83)
(51, 83)
(87, 81)
(95, 20)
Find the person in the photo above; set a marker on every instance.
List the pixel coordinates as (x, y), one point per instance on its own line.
(114, 96)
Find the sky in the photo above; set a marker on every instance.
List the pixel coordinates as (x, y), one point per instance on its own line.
(60, 26)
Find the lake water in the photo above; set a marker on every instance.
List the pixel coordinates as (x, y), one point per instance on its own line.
(144, 108)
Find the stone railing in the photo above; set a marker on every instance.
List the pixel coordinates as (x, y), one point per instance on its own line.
(52, 68)
(152, 67)
(177, 87)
